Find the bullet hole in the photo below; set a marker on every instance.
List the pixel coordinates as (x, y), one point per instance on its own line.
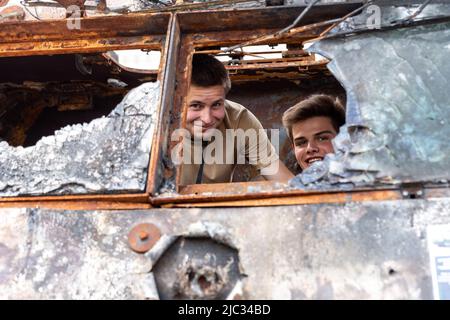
(206, 283)
(197, 268)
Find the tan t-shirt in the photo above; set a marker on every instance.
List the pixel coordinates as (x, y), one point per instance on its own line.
(229, 148)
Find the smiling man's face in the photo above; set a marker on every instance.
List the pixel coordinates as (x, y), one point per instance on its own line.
(312, 140)
(206, 110)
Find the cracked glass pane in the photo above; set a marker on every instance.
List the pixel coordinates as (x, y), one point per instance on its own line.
(398, 108)
(108, 154)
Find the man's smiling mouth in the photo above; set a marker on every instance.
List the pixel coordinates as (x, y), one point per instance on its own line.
(314, 159)
(203, 128)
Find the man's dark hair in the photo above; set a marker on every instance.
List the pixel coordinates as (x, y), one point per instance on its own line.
(319, 105)
(207, 71)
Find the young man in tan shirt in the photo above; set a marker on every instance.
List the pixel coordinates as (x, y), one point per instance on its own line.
(222, 133)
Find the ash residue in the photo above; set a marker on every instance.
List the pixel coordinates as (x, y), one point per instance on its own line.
(106, 155)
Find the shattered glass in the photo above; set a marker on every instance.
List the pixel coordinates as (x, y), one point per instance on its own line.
(398, 108)
(109, 154)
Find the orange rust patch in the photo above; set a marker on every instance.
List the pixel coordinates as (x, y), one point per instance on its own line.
(13, 13)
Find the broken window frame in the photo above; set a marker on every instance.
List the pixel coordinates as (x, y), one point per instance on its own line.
(179, 35)
(191, 34)
(147, 31)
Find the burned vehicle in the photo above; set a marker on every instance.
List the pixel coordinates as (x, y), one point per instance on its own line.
(91, 201)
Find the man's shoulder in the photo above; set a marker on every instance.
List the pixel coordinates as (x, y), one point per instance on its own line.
(232, 106)
(238, 115)
(234, 113)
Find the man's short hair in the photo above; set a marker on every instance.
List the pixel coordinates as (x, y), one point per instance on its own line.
(319, 105)
(207, 71)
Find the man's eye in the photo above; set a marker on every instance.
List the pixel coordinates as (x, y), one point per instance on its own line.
(195, 106)
(323, 138)
(300, 143)
(217, 105)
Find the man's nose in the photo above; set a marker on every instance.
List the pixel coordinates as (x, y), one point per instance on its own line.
(312, 147)
(206, 116)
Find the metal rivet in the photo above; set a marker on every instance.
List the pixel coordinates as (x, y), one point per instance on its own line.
(143, 237)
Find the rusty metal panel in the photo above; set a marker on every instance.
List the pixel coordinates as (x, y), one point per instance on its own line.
(157, 167)
(95, 34)
(260, 18)
(372, 250)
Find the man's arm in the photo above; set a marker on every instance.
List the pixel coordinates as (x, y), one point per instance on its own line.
(261, 152)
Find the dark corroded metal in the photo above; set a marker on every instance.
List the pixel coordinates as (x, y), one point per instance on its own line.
(197, 268)
(143, 237)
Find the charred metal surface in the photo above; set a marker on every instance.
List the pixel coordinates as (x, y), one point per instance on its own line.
(160, 167)
(96, 34)
(397, 108)
(110, 154)
(55, 9)
(130, 25)
(372, 250)
(196, 268)
(261, 18)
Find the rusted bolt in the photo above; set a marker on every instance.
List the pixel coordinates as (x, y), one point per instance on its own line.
(143, 237)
